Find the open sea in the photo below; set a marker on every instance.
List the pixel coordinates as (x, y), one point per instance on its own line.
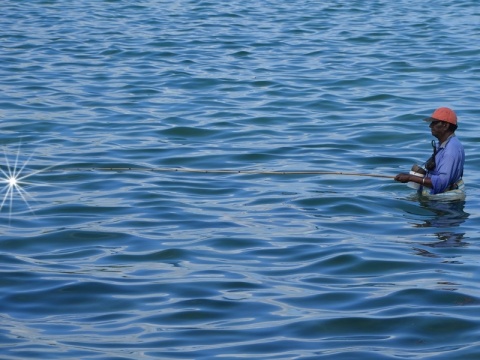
(111, 248)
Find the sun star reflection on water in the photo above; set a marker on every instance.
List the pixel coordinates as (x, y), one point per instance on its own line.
(13, 183)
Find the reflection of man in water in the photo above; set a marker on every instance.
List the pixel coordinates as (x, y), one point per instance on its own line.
(447, 215)
(445, 167)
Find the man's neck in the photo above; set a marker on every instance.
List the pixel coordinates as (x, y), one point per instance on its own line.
(445, 137)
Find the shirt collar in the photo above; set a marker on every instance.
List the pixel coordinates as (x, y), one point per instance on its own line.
(442, 145)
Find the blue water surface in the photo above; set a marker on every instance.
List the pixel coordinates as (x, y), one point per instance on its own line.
(107, 252)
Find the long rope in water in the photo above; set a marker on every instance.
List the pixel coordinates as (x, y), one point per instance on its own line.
(226, 171)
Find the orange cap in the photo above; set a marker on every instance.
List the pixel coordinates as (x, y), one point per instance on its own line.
(443, 114)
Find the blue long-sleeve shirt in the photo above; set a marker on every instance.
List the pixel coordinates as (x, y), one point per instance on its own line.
(450, 159)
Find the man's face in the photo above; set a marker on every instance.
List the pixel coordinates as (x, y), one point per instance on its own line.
(438, 128)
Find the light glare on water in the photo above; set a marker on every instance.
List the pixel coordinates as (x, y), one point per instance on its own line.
(13, 181)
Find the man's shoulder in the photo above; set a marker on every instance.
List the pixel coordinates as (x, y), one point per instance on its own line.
(454, 144)
(455, 140)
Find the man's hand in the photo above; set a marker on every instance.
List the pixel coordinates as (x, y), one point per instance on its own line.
(403, 178)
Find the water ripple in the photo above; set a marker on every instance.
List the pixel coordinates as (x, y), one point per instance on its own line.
(168, 264)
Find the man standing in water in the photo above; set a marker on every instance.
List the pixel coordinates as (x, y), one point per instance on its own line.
(445, 167)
